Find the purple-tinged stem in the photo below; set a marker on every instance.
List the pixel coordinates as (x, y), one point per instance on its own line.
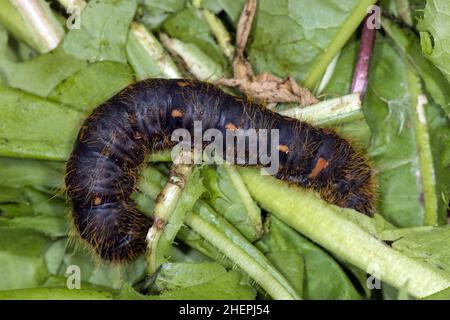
(361, 74)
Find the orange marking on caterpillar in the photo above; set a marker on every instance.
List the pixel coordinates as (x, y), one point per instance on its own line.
(97, 200)
(320, 165)
(105, 152)
(83, 132)
(176, 113)
(183, 83)
(283, 148)
(230, 126)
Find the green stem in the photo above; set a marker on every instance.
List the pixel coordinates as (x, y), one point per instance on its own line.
(197, 242)
(345, 32)
(250, 207)
(329, 112)
(328, 74)
(220, 33)
(146, 54)
(165, 205)
(235, 253)
(326, 225)
(197, 62)
(404, 11)
(212, 245)
(80, 4)
(426, 172)
(33, 22)
(207, 213)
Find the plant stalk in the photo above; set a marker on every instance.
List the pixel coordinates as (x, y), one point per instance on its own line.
(426, 174)
(239, 256)
(361, 74)
(326, 225)
(345, 32)
(146, 54)
(33, 22)
(329, 112)
(165, 205)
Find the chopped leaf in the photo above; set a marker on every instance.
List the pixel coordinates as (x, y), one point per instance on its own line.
(179, 275)
(21, 259)
(46, 131)
(227, 286)
(229, 196)
(103, 31)
(434, 35)
(92, 85)
(323, 278)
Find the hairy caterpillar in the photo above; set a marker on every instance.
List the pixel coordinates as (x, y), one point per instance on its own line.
(116, 137)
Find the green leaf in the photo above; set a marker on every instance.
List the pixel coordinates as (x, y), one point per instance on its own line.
(198, 63)
(20, 202)
(189, 26)
(229, 197)
(330, 227)
(47, 130)
(179, 275)
(438, 124)
(46, 175)
(55, 294)
(434, 35)
(224, 287)
(103, 31)
(341, 80)
(300, 37)
(434, 81)
(441, 295)
(92, 85)
(182, 253)
(166, 5)
(49, 225)
(92, 270)
(156, 11)
(323, 279)
(390, 108)
(291, 266)
(427, 244)
(439, 131)
(21, 259)
(39, 75)
(103, 35)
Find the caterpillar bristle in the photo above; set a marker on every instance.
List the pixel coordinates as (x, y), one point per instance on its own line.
(114, 140)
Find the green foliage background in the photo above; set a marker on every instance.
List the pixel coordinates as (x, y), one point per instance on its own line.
(44, 98)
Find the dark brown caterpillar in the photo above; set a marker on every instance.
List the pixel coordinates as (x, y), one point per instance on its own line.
(115, 138)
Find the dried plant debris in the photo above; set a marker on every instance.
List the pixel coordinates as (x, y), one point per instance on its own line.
(264, 87)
